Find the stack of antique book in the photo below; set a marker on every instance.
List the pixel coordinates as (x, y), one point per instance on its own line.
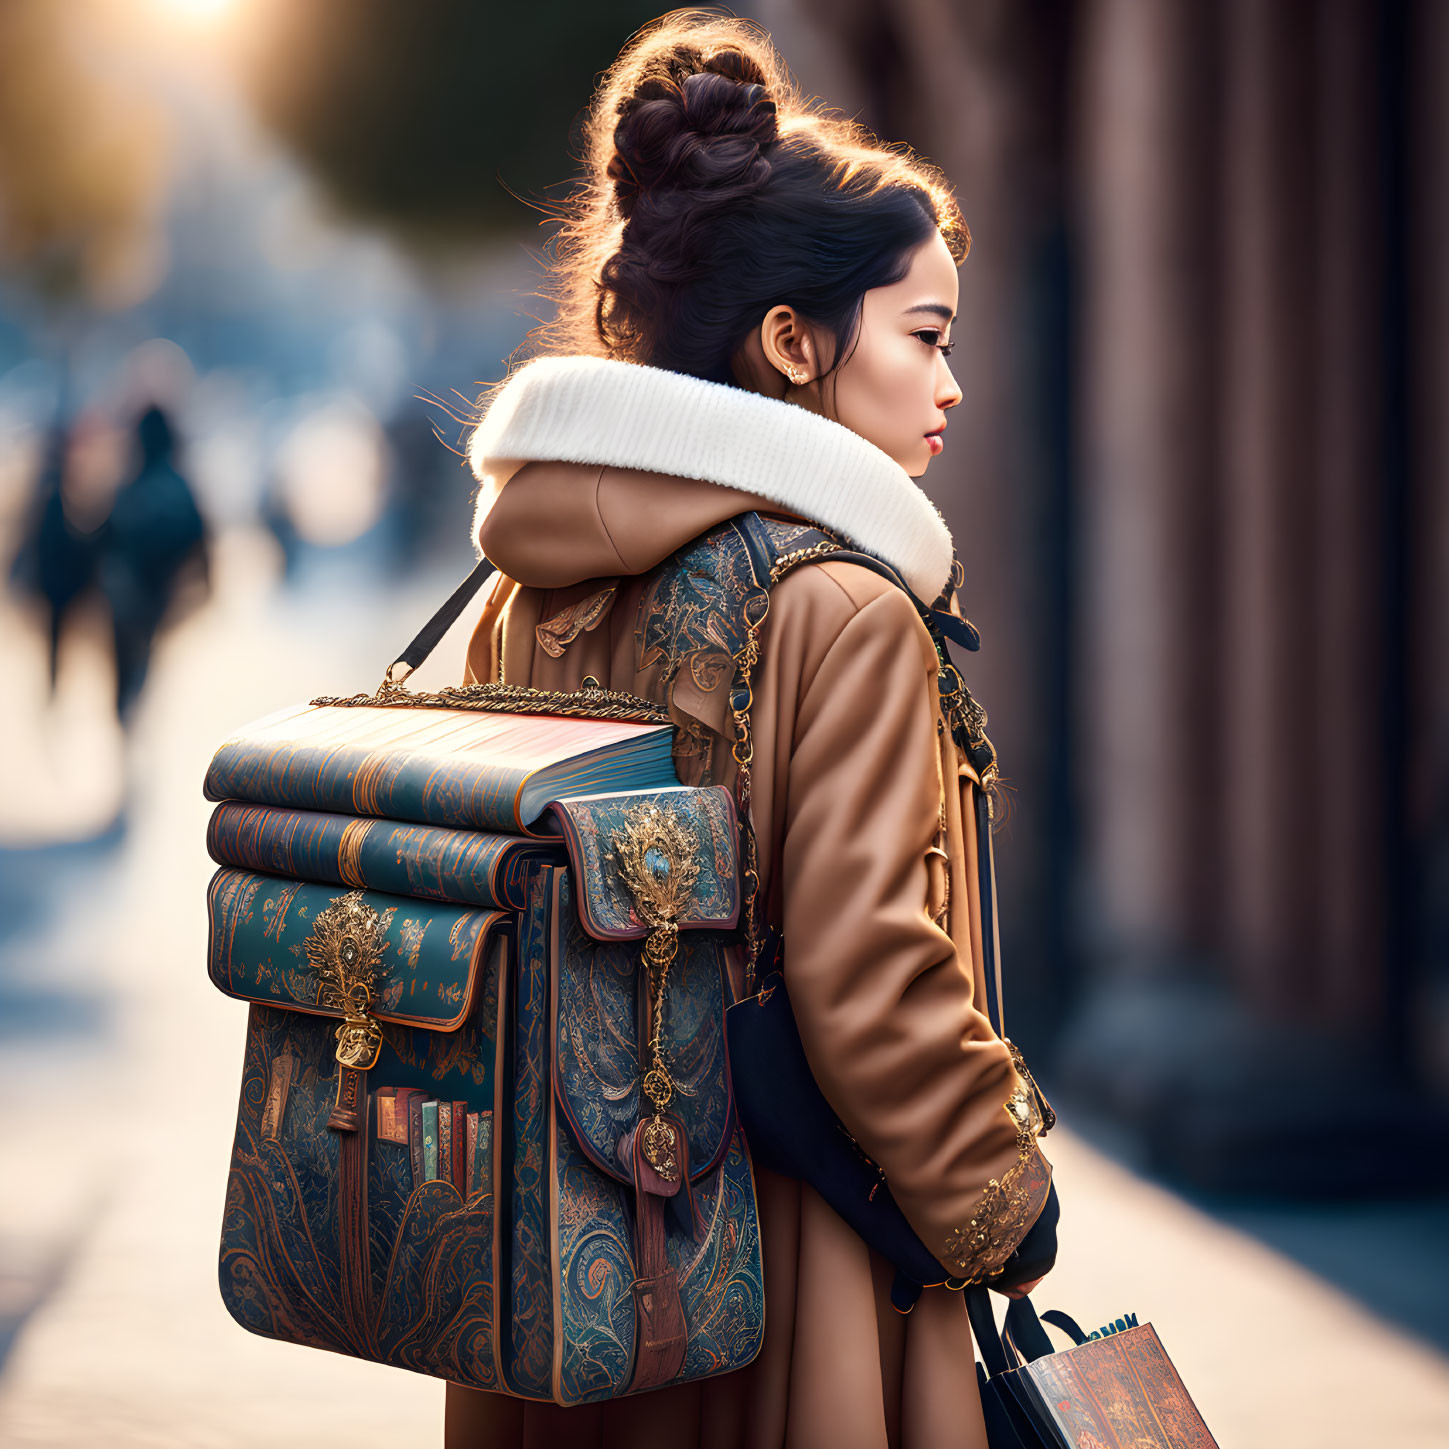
(443, 1140)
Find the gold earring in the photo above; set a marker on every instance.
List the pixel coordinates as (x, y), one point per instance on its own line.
(794, 375)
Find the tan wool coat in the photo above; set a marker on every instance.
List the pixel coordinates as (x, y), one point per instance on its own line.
(862, 806)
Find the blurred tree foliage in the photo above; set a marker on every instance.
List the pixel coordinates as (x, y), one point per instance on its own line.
(83, 157)
(424, 116)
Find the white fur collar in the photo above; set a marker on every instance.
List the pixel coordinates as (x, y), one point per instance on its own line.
(582, 409)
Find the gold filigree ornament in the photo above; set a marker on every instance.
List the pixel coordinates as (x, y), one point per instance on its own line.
(980, 1249)
(656, 857)
(344, 948)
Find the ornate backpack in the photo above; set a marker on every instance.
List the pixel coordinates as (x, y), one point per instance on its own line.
(486, 1128)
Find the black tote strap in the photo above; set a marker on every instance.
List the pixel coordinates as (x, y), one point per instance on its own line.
(984, 1330)
(1028, 1337)
(1065, 1322)
(428, 636)
(1021, 1339)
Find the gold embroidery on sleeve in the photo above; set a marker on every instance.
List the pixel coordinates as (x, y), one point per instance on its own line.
(1048, 1117)
(1005, 1209)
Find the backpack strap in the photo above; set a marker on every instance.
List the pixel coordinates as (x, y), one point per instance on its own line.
(775, 549)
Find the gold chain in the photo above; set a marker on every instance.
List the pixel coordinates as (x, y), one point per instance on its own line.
(587, 703)
(659, 953)
(787, 561)
(657, 856)
(744, 745)
(962, 709)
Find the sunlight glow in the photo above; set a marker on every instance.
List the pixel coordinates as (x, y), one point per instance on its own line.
(196, 10)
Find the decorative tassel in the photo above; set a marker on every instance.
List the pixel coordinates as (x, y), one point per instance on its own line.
(344, 1116)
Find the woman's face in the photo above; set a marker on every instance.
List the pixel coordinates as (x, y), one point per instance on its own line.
(895, 385)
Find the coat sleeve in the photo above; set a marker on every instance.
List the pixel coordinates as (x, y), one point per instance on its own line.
(881, 997)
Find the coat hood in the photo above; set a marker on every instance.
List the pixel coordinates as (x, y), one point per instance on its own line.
(590, 467)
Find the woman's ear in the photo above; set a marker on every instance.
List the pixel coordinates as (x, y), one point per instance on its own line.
(787, 341)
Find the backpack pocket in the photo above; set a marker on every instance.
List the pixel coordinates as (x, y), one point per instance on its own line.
(381, 1242)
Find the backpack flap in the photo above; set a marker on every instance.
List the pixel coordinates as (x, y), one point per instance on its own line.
(601, 994)
(270, 939)
(702, 819)
(600, 1044)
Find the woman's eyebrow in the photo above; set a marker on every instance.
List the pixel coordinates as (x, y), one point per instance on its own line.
(939, 308)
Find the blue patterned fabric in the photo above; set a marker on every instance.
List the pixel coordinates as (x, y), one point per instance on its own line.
(596, 1048)
(530, 1348)
(693, 618)
(409, 1286)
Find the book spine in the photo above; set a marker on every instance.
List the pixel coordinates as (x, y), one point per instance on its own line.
(415, 1136)
(445, 1141)
(465, 866)
(430, 1140)
(356, 779)
(460, 1147)
(481, 1179)
(392, 1125)
(511, 879)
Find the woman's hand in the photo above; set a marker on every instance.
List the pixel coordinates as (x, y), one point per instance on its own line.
(1038, 1249)
(1021, 1289)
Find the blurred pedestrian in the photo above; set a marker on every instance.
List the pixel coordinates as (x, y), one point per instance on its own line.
(154, 537)
(54, 564)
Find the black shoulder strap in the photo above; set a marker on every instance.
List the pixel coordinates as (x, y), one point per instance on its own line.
(428, 636)
(953, 626)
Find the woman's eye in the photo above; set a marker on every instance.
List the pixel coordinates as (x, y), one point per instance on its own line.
(930, 336)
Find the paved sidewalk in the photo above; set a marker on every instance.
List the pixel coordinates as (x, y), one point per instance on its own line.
(132, 1347)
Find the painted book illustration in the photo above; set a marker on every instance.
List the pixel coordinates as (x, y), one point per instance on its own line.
(481, 1175)
(458, 1147)
(1119, 1392)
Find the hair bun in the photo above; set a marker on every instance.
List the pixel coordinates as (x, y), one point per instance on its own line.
(693, 123)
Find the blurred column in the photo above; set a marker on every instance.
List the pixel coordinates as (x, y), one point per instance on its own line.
(1241, 449)
(1427, 584)
(1147, 640)
(1272, 796)
(1338, 968)
(1158, 1017)
(1429, 545)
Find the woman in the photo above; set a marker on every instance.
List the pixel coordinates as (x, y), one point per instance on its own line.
(755, 307)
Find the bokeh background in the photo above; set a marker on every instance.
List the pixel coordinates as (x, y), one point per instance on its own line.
(257, 260)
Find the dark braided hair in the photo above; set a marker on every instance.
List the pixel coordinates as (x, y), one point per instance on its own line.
(713, 191)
